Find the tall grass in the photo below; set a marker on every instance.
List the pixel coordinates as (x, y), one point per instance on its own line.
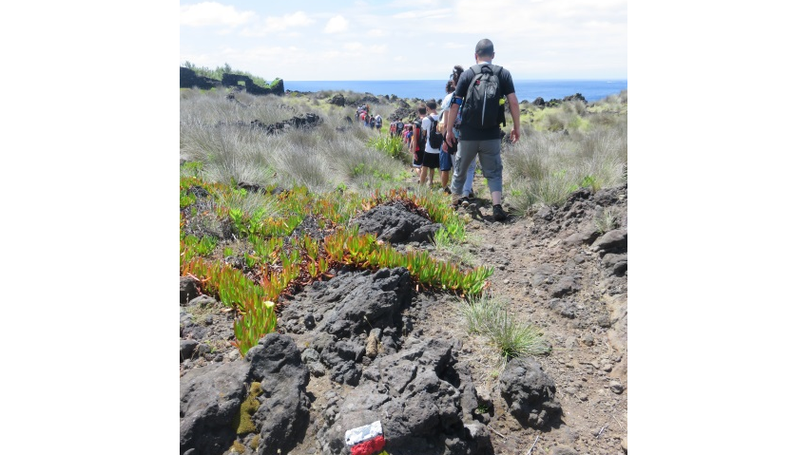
(566, 147)
(297, 159)
(545, 166)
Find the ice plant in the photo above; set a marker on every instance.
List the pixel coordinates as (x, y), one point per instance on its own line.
(253, 325)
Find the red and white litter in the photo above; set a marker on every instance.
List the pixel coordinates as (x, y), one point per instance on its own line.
(366, 440)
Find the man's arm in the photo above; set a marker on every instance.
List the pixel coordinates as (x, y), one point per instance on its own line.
(449, 137)
(514, 109)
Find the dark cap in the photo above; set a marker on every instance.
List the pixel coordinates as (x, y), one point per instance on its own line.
(484, 47)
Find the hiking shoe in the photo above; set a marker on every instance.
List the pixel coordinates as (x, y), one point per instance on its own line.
(455, 200)
(447, 190)
(498, 213)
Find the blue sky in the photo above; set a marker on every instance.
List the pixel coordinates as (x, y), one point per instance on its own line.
(414, 39)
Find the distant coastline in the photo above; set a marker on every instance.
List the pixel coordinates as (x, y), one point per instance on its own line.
(529, 90)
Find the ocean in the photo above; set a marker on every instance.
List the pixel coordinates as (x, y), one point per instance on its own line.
(592, 90)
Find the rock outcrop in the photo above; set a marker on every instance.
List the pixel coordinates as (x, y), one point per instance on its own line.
(190, 79)
(258, 403)
(394, 223)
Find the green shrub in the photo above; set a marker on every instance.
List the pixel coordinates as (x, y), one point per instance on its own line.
(391, 146)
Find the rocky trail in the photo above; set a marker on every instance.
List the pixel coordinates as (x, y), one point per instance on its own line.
(368, 345)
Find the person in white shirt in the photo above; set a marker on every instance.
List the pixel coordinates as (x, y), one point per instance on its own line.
(430, 162)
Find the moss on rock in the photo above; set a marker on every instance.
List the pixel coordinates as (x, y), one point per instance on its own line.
(238, 447)
(242, 423)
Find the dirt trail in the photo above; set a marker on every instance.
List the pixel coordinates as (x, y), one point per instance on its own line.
(557, 281)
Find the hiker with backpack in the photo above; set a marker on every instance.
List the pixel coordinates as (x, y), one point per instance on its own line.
(481, 89)
(450, 152)
(417, 146)
(433, 141)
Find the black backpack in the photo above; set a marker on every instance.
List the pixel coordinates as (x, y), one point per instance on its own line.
(435, 138)
(482, 108)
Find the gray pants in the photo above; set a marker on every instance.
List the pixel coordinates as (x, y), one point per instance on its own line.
(489, 155)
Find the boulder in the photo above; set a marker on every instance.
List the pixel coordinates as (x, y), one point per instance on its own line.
(336, 317)
(412, 394)
(259, 402)
(565, 286)
(189, 288)
(210, 398)
(187, 349)
(615, 264)
(396, 224)
(337, 100)
(614, 241)
(283, 415)
(529, 393)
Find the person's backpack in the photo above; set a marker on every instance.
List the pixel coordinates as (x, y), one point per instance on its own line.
(435, 138)
(418, 135)
(482, 108)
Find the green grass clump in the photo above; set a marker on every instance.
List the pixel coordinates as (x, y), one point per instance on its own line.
(489, 317)
(606, 220)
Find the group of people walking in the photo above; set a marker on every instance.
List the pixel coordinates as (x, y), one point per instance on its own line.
(363, 115)
(466, 125)
(467, 130)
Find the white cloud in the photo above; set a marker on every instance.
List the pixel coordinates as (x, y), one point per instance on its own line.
(545, 19)
(336, 24)
(297, 19)
(429, 13)
(353, 46)
(274, 24)
(212, 13)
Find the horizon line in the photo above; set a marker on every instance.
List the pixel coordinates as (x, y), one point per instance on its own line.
(607, 79)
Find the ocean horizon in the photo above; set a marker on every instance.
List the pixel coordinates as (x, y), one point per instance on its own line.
(529, 90)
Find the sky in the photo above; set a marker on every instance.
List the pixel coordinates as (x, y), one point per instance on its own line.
(405, 40)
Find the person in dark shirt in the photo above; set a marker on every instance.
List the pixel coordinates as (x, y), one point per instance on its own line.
(484, 143)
